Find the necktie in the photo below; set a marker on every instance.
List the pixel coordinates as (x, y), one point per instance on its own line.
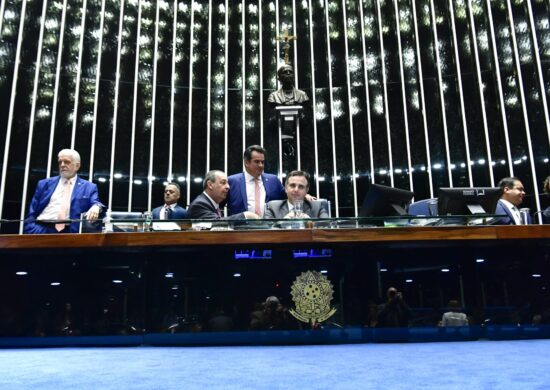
(257, 196)
(167, 212)
(219, 212)
(65, 205)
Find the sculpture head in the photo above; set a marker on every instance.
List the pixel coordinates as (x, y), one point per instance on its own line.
(285, 74)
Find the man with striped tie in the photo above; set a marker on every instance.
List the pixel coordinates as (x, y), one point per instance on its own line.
(511, 198)
(170, 209)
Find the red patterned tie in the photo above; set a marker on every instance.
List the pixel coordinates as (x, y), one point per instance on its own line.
(65, 205)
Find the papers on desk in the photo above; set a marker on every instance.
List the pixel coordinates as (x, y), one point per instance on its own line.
(165, 226)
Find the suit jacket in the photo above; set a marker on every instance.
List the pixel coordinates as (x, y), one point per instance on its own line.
(509, 219)
(83, 197)
(279, 208)
(202, 208)
(177, 213)
(237, 199)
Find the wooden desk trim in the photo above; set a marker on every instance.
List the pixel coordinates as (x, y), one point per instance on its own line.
(306, 236)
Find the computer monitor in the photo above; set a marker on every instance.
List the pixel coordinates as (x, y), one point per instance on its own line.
(383, 201)
(466, 201)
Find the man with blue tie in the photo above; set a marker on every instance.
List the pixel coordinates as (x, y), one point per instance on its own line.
(511, 198)
(62, 197)
(170, 209)
(252, 189)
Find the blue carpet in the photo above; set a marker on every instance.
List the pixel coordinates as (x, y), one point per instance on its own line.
(459, 365)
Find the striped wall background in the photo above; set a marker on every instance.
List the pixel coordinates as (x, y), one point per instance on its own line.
(413, 94)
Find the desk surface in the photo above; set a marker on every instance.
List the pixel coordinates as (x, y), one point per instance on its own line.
(302, 236)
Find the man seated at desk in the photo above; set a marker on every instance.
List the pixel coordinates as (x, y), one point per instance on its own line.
(207, 204)
(296, 188)
(512, 196)
(61, 198)
(171, 208)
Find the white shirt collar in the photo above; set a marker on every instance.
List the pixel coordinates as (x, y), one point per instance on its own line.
(216, 205)
(248, 177)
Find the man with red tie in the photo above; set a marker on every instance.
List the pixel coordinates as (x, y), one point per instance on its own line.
(207, 204)
(62, 197)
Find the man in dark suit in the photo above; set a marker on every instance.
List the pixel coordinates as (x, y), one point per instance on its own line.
(512, 196)
(252, 189)
(207, 204)
(170, 209)
(62, 197)
(296, 187)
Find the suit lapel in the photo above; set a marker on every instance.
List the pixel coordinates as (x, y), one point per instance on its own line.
(265, 180)
(242, 188)
(51, 186)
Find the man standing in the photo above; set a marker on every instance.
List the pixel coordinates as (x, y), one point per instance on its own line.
(62, 197)
(171, 209)
(395, 313)
(252, 189)
(207, 204)
(296, 188)
(512, 196)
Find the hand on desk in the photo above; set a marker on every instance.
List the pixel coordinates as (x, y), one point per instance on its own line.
(93, 213)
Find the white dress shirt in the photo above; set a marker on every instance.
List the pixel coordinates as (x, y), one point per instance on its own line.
(513, 210)
(162, 213)
(51, 211)
(251, 193)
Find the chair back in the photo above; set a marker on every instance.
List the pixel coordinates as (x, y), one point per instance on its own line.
(422, 207)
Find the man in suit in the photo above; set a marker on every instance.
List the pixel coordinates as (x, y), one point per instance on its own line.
(62, 197)
(512, 196)
(207, 204)
(296, 187)
(170, 209)
(252, 189)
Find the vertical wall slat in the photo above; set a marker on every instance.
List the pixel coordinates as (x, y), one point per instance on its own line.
(423, 100)
(32, 114)
(190, 108)
(500, 90)
(313, 95)
(78, 73)
(12, 103)
(481, 94)
(56, 87)
(385, 88)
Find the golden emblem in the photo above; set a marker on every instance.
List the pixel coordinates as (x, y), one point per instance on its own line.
(312, 293)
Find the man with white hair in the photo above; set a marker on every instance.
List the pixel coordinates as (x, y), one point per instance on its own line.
(61, 198)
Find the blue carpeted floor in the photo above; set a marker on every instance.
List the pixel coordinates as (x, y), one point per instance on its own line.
(457, 365)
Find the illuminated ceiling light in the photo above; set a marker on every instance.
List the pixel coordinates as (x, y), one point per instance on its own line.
(524, 158)
(181, 179)
(423, 168)
(55, 284)
(236, 275)
(516, 162)
(21, 273)
(118, 175)
(138, 182)
(480, 260)
(102, 180)
(321, 178)
(445, 270)
(502, 162)
(462, 165)
(481, 161)
(536, 275)
(437, 166)
(545, 160)
(383, 172)
(197, 180)
(169, 275)
(453, 166)
(398, 170)
(175, 287)
(383, 270)
(152, 178)
(117, 281)
(408, 281)
(324, 271)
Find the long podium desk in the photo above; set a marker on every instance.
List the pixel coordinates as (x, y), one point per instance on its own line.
(411, 236)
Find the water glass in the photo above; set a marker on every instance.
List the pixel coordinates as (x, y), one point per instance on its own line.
(298, 208)
(148, 221)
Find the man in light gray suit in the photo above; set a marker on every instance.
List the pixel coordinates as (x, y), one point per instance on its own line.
(296, 188)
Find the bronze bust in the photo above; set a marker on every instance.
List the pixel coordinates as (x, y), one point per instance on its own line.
(287, 95)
